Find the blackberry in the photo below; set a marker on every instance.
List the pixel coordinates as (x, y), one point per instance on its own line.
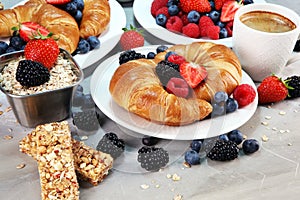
(86, 120)
(294, 83)
(152, 158)
(224, 151)
(130, 55)
(166, 70)
(30, 73)
(111, 144)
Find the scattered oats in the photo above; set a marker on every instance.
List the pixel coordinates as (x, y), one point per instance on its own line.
(145, 186)
(10, 130)
(178, 197)
(175, 177)
(0, 104)
(268, 128)
(282, 113)
(157, 186)
(287, 131)
(1, 112)
(274, 129)
(169, 176)
(264, 138)
(9, 108)
(173, 189)
(281, 131)
(268, 117)
(187, 165)
(269, 106)
(8, 137)
(289, 144)
(20, 166)
(83, 138)
(245, 137)
(265, 123)
(295, 111)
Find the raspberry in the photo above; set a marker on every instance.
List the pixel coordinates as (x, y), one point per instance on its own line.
(244, 94)
(205, 21)
(152, 158)
(228, 27)
(157, 4)
(175, 24)
(224, 151)
(219, 4)
(184, 19)
(191, 30)
(177, 59)
(163, 10)
(111, 144)
(178, 87)
(213, 32)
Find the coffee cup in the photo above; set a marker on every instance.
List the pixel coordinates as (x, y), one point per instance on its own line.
(264, 36)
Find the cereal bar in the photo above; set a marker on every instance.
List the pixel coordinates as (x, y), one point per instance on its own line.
(56, 162)
(91, 165)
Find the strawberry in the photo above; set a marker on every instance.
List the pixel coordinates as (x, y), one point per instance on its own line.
(192, 73)
(201, 6)
(272, 89)
(228, 10)
(29, 30)
(131, 38)
(44, 50)
(58, 2)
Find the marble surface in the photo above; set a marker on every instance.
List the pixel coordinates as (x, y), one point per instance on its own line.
(271, 173)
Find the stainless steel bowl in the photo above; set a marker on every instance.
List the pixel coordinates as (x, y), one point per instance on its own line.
(45, 107)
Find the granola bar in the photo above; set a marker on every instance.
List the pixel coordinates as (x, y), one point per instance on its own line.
(56, 162)
(91, 165)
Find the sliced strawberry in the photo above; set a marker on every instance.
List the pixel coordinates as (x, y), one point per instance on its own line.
(228, 10)
(192, 73)
(58, 2)
(29, 30)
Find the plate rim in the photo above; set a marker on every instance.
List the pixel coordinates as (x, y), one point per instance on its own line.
(105, 65)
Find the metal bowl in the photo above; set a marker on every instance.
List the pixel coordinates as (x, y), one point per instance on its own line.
(45, 107)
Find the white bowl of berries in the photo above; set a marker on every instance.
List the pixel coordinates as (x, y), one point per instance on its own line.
(38, 94)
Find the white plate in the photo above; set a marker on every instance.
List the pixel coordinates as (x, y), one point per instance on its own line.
(109, 38)
(203, 129)
(141, 10)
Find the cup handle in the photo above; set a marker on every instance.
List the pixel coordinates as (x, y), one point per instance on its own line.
(295, 57)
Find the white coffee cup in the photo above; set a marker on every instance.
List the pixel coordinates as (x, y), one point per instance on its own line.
(264, 53)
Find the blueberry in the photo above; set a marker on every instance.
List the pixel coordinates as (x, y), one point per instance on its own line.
(150, 141)
(218, 109)
(220, 97)
(172, 2)
(250, 146)
(79, 4)
(78, 16)
(88, 101)
(83, 46)
(224, 137)
(193, 16)
(16, 42)
(223, 33)
(235, 136)
(246, 2)
(94, 42)
(212, 5)
(215, 16)
(3, 47)
(151, 55)
(173, 10)
(71, 8)
(161, 20)
(168, 54)
(220, 24)
(196, 145)
(231, 105)
(10, 49)
(161, 48)
(192, 157)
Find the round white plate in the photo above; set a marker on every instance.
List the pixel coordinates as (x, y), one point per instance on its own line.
(203, 129)
(109, 38)
(147, 21)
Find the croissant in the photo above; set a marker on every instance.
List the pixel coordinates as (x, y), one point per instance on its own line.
(223, 67)
(57, 21)
(135, 87)
(95, 17)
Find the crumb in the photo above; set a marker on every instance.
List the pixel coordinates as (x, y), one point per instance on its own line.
(20, 166)
(289, 144)
(268, 117)
(187, 165)
(145, 186)
(9, 108)
(8, 137)
(265, 123)
(169, 176)
(282, 113)
(264, 138)
(178, 197)
(1, 112)
(175, 177)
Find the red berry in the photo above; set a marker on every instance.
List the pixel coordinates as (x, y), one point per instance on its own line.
(174, 23)
(213, 32)
(191, 30)
(201, 6)
(163, 10)
(192, 73)
(131, 38)
(177, 59)
(178, 87)
(157, 4)
(244, 94)
(28, 30)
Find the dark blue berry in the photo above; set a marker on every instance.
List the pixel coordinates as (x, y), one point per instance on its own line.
(196, 145)
(215, 16)
(250, 146)
(231, 105)
(86, 120)
(151, 55)
(78, 16)
(246, 2)
(94, 42)
(71, 8)
(150, 141)
(223, 33)
(161, 48)
(224, 137)
(168, 54)
(220, 97)
(78, 99)
(79, 88)
(10, 49)
(220, 24)
(79, 4)
(218, 109)
(3, 47)
(16, 42)
(212, 5)
(172, 2)
(161, 20)
(192, 157)
(83, 46)
(173, 10)
(193, 16)
(235, 136)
